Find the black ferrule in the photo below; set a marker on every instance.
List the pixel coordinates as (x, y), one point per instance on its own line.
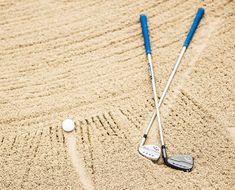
(164, 155)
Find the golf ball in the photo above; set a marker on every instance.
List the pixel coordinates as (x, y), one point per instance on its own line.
(68, 125)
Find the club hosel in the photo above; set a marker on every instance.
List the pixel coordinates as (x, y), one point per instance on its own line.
(164, 155)
(143, 139)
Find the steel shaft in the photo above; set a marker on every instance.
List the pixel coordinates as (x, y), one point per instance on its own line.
(166, 88)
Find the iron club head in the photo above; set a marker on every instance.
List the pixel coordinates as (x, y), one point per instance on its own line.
(151, 152)
(179, 162)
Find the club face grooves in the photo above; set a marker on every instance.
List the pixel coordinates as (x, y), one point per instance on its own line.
(151, 152)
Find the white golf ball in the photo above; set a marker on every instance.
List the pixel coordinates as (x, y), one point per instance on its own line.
(68, 125)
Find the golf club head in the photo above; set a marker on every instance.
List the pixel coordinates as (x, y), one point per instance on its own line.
(151, 152)
(181, 162)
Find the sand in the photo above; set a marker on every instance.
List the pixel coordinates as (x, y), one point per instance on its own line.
(85, 60)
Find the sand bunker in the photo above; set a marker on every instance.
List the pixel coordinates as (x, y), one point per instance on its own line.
(86, 60)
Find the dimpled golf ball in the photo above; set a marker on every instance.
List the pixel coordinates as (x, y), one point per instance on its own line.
(68, 125)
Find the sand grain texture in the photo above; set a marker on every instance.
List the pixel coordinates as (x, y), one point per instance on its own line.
(85, 60)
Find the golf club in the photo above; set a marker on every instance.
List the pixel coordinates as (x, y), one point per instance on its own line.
(180, 162)
(185, 46)
(152, 152)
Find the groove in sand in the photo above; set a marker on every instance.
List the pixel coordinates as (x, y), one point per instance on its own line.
(78, 163)
(198, 48)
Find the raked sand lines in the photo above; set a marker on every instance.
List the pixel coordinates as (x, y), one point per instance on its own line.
(86, 60)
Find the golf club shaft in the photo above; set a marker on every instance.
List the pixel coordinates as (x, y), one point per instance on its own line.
(155, 98)
(165, 91)
(144, 25)
(187, 41)
(167, 85)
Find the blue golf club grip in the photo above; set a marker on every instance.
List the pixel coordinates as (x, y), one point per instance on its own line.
(193, 28)
(144, 25)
